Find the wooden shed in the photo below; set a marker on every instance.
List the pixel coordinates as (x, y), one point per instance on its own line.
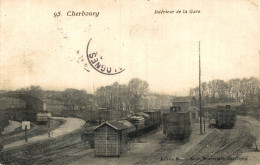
(110, 139)
(194, 112)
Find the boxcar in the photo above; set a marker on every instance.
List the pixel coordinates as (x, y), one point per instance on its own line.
(154, 117)
(177, 124)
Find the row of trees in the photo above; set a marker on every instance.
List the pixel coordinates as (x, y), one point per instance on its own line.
(69, 97)
(122, 96)
(116, 96)
(130, 96)
(245, 90)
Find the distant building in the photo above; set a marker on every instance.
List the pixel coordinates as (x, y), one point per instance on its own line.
(110, 139)
(184, 105)
(156, 102)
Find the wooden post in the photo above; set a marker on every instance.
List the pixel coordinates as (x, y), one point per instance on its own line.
(25, 132)
(256, 148)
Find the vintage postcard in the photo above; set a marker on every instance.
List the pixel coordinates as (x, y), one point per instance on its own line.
(120, 82)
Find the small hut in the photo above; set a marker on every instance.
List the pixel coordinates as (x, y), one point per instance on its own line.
(110, 139)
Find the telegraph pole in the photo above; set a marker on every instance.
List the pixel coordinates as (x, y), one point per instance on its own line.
(200, 91)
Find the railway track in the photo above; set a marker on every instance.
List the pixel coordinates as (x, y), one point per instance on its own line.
(208, 139)
(228, 151)
(220, 149)
(160, 154)
(55, 151)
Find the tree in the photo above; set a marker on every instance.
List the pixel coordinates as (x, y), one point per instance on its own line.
(32, 90)
(122, 97)
(245, 90)
(137, 90)
(74, 97)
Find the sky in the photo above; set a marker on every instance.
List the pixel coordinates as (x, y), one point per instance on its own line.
(37, 48)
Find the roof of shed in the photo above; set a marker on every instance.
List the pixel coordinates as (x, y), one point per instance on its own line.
(193, 109)
(114, 124)
(182, 99)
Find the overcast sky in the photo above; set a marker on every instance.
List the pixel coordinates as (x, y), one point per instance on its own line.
(38, 49)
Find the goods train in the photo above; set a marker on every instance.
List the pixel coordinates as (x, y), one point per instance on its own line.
(177, 123)
(136, 124)
(142, 121)
(225, 117)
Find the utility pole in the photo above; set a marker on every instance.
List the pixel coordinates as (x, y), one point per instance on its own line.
(200, 91)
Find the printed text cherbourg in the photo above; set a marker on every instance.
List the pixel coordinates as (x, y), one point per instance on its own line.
(82, 13)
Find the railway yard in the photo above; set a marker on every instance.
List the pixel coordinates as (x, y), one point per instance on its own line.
(216, 146)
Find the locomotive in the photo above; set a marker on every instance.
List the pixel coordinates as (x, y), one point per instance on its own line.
(225, 117)
(177, 123)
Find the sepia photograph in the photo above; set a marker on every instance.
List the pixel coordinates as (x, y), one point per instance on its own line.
(135, 82)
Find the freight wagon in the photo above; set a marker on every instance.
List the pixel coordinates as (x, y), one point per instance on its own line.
(177, 123)
(144, 121)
